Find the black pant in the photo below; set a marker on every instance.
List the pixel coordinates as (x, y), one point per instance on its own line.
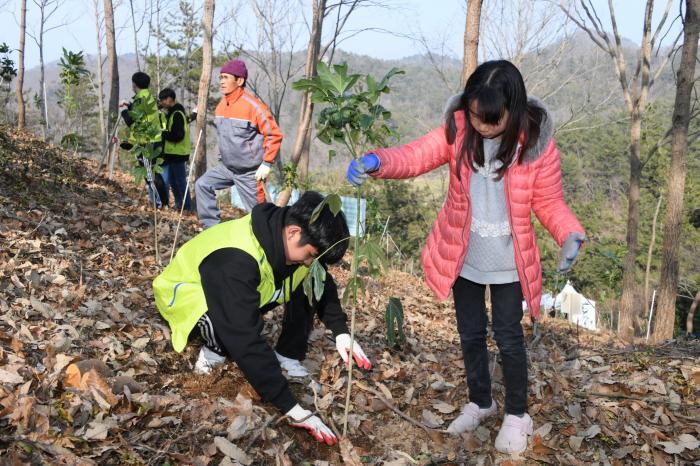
(297, 323)
(507, 312)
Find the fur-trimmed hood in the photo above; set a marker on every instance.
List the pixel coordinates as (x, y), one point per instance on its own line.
(546, 127)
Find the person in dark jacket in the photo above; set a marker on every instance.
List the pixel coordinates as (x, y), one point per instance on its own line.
(224, 279)
(176, 148)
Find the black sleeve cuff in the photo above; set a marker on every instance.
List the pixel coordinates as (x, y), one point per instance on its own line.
(337, 327)
(284, 401)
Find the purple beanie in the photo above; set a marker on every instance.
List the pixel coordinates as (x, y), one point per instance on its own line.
(236, 68)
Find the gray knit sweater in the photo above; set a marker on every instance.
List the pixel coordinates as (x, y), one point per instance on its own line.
(490, 256)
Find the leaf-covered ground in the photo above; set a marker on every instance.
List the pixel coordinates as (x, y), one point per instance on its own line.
(87, 374)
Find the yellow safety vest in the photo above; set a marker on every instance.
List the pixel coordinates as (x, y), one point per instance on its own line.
(181, 147)
(178, 289)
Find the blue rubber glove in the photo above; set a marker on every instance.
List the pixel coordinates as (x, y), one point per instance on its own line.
(569, 250)
(358, 169)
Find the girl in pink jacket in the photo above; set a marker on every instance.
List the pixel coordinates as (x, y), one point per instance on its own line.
(504, 165)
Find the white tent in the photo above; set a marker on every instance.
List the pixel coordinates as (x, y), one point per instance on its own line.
(576, 307)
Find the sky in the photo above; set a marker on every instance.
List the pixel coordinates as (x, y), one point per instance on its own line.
(440, 22)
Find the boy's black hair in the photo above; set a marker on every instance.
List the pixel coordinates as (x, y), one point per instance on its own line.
(324, 232)
(141, 79)
(165, 93)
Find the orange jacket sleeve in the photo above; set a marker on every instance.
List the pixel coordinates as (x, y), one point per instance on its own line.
(272, 135)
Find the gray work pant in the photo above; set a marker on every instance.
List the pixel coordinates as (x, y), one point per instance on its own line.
(221, 177)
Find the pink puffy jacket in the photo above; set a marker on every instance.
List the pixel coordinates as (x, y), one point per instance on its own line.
(531, 186)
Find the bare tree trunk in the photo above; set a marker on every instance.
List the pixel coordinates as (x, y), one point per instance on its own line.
(629, 303)
(666, 310)
(47, 8)
(650, 252)
(635, 92)
(113, 107)
(471, 38)
(20, 66)
(158, 45)
(42, 81)
(136, 39)
(204, 82)
(691, 313)
(184, 95)
(100, 79)
(300, 152)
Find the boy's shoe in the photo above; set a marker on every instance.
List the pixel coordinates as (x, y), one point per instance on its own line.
(471, 417)
(207, 361)
(512, 438)
(293, 367)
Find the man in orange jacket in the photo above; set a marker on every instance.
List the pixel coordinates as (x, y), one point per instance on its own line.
(249, 141)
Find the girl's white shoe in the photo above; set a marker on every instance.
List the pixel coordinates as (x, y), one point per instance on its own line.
(470, 418)
(512, 438)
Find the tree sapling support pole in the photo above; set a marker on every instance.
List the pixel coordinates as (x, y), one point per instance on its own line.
(184, 196)
(651, 313)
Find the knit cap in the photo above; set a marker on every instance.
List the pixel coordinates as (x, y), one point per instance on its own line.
(236, 68)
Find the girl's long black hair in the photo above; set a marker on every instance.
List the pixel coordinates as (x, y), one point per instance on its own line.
(497, 86)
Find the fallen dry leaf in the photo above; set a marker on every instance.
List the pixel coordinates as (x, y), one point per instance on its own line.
(348, 453)
(232, 451)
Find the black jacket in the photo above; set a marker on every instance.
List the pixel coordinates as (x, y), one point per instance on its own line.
(230, 278)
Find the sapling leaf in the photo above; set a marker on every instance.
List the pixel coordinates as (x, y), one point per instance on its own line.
(371, 84)
(394, 321)
(334, 203)
(309, 288)
(318, 274)
(317, 211)
(382, 86)
(351, 289)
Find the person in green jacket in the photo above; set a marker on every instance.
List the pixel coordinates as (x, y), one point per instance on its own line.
(143, 100)
(221, 282)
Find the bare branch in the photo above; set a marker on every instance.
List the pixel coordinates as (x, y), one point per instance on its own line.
(672, 51)
(660, 26)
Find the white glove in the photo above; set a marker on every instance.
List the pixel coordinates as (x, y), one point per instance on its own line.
(263, 171)
(303, 418)
(342, 344)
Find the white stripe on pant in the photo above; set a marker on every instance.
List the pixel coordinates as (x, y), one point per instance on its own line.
(206, 329)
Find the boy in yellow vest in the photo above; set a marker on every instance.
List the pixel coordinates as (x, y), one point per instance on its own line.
(224, 279)
(176, 149)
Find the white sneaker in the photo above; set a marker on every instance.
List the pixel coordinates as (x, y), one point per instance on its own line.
(207, 361)
(471, 417)
(293, 367)
(512, 438)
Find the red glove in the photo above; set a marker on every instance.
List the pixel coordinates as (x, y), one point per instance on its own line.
(342, 344)
(304, 419)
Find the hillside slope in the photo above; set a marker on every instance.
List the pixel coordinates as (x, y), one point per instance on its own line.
(76, 263)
